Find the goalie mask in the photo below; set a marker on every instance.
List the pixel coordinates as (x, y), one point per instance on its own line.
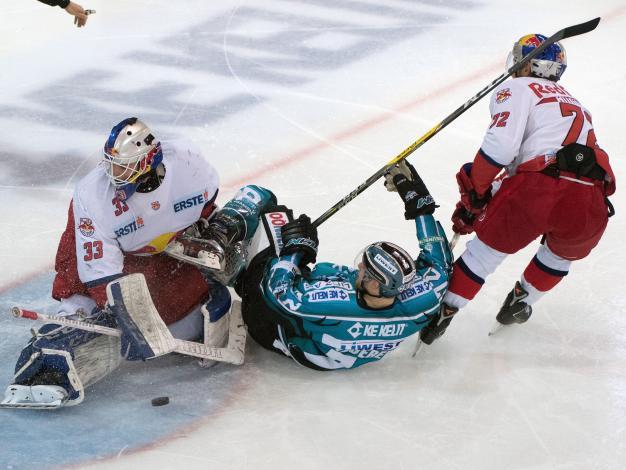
(390, 265)
(130, 152)
(550, 64)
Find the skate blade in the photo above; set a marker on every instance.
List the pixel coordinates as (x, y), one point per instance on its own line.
(496, 327)
(205, 259)
(34, 406)
(418, 347)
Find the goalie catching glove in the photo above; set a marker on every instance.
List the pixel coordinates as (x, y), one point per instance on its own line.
(300, 236)
(403, 179)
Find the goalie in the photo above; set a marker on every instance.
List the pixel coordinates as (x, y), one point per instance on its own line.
(123, 215)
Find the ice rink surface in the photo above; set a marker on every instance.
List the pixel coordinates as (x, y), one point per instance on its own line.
(309, 98)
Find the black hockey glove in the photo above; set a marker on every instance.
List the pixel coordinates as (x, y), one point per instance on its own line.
(439, 323)
(300, 236)
(403, 178)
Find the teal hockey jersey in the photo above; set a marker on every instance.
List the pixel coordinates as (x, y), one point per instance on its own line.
(325, 323)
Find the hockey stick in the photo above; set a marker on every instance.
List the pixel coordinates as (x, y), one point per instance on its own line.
(233, 353)
(568, 32)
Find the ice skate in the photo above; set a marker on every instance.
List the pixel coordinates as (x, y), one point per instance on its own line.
(513, 310)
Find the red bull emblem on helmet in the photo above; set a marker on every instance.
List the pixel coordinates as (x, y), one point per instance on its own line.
(531, 40)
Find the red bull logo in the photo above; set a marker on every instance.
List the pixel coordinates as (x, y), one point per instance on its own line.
(120, 195)
(503, 95)
(530, 40)
(86, 227)
(156, 205)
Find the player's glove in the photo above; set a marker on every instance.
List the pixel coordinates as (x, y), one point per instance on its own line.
(403, 178)
(470, 199)
(462, 220)
(300, 236)
(438, 324)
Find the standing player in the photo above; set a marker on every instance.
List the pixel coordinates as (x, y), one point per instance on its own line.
(557, 186)
(332, 316)
(122, 216)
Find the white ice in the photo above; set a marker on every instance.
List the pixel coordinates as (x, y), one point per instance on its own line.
(309, 98)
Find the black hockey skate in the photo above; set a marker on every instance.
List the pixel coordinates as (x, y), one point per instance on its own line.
(514, 309)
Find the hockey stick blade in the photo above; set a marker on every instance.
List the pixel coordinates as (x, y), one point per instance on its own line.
(564, 33)
(579, 29)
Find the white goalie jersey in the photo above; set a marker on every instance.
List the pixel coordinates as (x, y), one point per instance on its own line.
(108, 228)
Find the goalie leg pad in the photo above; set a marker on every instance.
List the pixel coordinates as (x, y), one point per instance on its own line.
(63, 357)
(144, 334)
(216, 312)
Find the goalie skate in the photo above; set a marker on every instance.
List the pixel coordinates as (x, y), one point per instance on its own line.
(200, 252)
(208, 255)
(35, 396)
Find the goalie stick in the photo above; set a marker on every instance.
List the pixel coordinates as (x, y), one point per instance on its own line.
(568, 32)
(233, 353)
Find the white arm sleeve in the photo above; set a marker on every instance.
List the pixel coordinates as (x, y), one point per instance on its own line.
(510, 107)
(98, 256)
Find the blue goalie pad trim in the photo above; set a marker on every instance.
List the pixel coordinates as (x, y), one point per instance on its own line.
(134, 345)
(55, 367)
(219, 301)
(58, 338)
